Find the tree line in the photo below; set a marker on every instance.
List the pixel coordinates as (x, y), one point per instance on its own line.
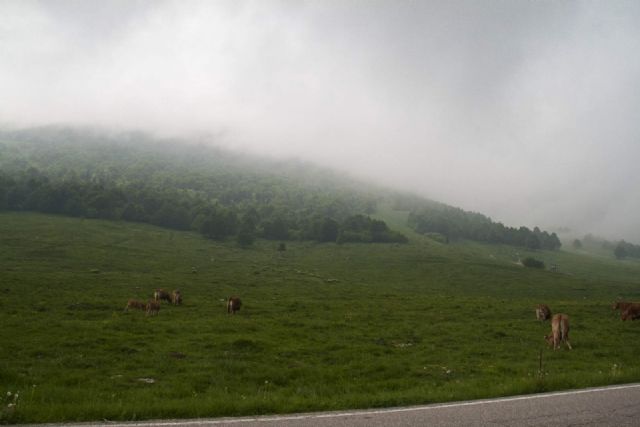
(620, 249)
(455, 223)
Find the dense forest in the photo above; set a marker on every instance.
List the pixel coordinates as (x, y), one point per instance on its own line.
(173, 184)
(454, 223)
(221, 194)
(447, 223)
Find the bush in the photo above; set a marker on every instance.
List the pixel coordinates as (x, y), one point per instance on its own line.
(620, 251)
(532, 263)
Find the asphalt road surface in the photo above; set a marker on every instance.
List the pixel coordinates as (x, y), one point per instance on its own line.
(606, 406)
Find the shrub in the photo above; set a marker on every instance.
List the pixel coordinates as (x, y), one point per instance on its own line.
(532, 263)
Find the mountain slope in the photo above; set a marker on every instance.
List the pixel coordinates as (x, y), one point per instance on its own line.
(183, 185)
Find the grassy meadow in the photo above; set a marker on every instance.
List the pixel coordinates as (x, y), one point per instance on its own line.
(322, 326)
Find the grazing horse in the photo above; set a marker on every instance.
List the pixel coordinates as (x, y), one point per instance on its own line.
(176, 297)
(559, 331)
(631, 313)
(161, 294)
(543, 312)
(153, 307)
(132, 303)
(233, 305)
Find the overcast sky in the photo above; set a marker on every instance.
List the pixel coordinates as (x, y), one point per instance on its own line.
(526, 111)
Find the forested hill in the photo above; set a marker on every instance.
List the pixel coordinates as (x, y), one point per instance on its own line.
(190, 186)
(455, 223)
(181, 185)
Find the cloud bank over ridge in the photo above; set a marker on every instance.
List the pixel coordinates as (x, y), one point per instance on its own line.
(524, 111)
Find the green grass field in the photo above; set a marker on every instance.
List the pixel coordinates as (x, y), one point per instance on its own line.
(323, 326)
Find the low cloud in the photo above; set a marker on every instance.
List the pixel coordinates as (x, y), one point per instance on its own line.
(524, 111)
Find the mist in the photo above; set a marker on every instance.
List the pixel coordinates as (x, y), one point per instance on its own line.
(524, 111)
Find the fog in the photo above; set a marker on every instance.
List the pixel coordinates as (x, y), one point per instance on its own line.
(525, 111)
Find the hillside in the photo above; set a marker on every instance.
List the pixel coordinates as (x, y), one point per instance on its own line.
(185, 185)
(322, 326)
(336, 312)
(182, 185)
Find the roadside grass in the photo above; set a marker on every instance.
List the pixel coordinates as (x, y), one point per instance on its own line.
(322, 326)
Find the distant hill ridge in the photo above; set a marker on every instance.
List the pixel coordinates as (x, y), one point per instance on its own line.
(174, 184)
(181, 185)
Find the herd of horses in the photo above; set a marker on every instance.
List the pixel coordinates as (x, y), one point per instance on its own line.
(152, 307)
(560, 322)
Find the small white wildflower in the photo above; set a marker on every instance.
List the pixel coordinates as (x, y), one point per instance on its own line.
(8, 394)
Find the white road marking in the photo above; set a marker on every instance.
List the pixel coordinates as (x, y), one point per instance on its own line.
(356, 413)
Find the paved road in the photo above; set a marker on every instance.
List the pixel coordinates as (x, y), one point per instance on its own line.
(607, 406)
